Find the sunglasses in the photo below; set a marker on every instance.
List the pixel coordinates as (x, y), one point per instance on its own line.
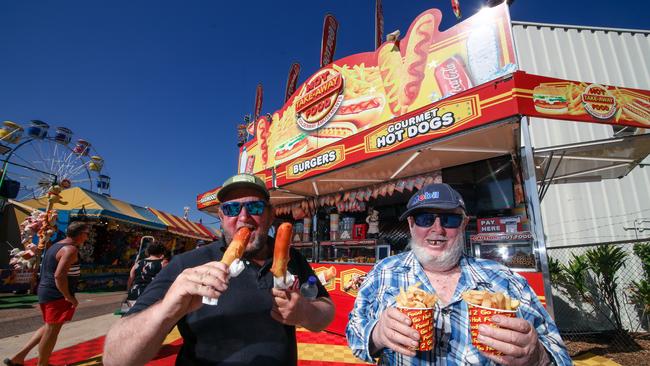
(447, 220)
(233, 209)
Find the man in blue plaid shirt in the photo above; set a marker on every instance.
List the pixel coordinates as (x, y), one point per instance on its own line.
(436, 217)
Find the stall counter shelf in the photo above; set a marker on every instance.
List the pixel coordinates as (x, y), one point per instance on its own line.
(307, 249)
(367, 251)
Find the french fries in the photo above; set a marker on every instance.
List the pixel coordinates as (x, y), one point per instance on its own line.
(415, 297)
(492, 300)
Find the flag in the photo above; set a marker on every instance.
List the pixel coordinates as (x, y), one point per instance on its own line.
(328, 45)
(379, 24)
(455, 6)
(259, 95)
(292, 80)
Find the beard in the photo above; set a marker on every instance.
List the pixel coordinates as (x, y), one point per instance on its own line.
(438, 263)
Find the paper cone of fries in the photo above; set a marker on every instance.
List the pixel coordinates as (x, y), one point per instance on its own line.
(422, 321)
(490, 304)
(418, 305)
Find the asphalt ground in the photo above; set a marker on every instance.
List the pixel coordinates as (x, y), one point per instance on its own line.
(21, 314)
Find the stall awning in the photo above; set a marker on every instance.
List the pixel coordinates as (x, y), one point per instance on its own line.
(590, 161)
(496, 139)
(82, 201)
(183, 227)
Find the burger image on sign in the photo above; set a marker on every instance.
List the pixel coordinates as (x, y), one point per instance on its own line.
(319, 99)
(550, 99)
(599, 102)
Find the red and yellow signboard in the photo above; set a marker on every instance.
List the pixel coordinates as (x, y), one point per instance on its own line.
(361, 91)
(579, 101)
(480, 105)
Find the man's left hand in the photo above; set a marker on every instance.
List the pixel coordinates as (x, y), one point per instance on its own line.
(288, 307)
(516, 338)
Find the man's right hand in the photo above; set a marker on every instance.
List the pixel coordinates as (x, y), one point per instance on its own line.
(186, 293)
(393, 330)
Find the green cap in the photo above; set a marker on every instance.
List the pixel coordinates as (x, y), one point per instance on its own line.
(243, 181)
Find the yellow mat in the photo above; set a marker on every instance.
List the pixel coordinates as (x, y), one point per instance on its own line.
(589, 359)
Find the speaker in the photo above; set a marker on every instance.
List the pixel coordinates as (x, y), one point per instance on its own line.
(10, 188)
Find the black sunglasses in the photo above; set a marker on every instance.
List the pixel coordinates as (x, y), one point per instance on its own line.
(233, 209)
(447, 220)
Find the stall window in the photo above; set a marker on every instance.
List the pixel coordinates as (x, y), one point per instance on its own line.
(486, 185)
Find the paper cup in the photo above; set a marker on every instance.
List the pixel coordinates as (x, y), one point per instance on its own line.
(481, 315)
(422, 321)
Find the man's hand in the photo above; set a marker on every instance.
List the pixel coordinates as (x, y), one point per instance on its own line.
(73, 301)
(393, 330)
(186, 293)
(516, 338)
(288, 307)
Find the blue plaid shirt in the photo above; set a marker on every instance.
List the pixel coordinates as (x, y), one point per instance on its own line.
(453, 343)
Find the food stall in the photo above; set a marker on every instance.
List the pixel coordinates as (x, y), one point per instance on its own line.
(364, 133)
(117, 227)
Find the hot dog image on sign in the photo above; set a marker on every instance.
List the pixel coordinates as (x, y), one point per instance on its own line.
(358, 92)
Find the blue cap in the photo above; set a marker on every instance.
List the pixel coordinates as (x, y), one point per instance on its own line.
(434, 196)
(312, 280)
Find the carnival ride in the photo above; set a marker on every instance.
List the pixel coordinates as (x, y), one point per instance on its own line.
(36, 158)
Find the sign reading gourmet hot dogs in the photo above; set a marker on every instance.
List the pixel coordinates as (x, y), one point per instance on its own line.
(414, 126)
(437, 120)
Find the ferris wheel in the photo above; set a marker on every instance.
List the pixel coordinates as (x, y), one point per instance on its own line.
(36, 158)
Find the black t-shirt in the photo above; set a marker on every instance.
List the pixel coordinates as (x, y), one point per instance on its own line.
(239, 330)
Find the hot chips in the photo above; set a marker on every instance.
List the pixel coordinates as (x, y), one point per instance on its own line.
(414, 297)
(491, 300)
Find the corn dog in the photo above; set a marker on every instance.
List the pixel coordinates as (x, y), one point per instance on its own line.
(281, 251)
(237, 246)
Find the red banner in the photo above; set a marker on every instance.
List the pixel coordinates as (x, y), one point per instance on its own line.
(259, 95)
(499, 224)
(207, 199)
(455, 6)
(328, 45)
(552, 98)
(292, 81)
(379, 24)
(342, 281)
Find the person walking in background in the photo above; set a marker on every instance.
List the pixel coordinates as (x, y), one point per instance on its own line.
(144, 270)
(56, 293)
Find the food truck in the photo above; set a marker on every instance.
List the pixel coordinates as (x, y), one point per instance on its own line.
(361, 135)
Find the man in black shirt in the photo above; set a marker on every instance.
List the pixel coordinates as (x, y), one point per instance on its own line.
(252, 324)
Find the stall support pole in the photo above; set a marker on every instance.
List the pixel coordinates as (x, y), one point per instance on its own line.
(534, 210)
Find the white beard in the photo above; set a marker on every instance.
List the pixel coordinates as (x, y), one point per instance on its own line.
(440, 263)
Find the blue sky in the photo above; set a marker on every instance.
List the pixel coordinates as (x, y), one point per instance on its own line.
(158, 86)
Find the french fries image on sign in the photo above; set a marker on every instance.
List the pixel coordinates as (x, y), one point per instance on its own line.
(492, 300)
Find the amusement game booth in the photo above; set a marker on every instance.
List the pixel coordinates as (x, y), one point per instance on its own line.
(117, 229)
(367, 131)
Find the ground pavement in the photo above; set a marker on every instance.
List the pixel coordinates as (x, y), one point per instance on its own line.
(81, 341)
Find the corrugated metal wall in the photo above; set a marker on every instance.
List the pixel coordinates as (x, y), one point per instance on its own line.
(588, 212)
